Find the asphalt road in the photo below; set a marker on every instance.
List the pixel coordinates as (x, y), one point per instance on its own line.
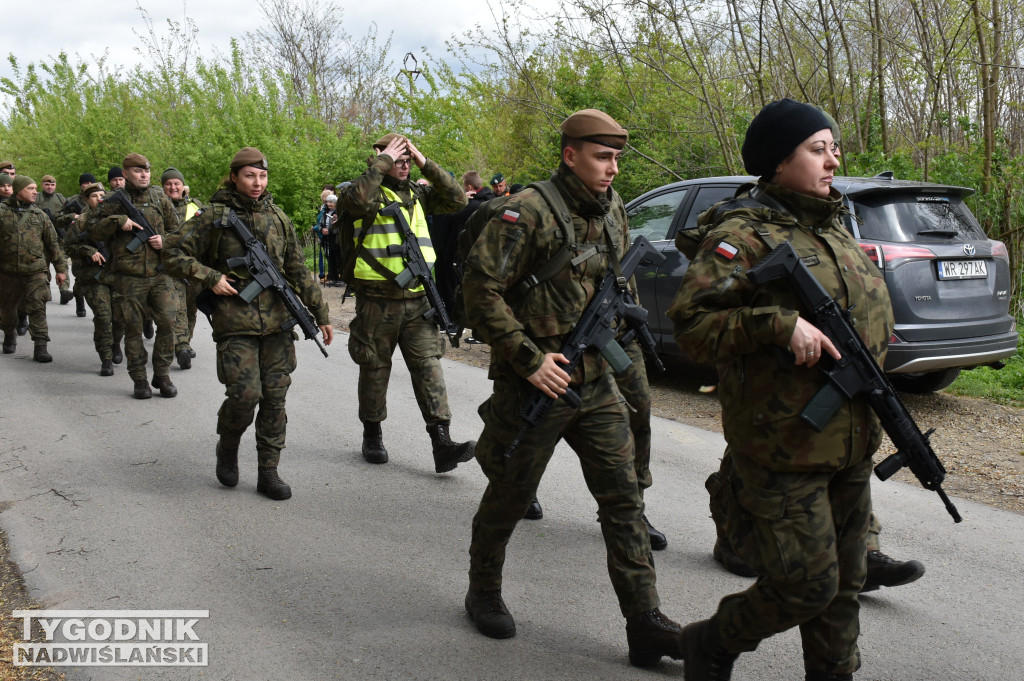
(111, 503)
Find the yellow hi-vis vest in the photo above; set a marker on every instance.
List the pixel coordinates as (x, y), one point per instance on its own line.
(385, 232)
(190, 209)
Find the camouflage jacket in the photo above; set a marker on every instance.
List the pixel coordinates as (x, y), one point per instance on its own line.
(522, 326)
(363, 198)
(28, 242)
(79, 247)
(201, 249)
(104, 223)
(53, 203)
(721, 318)
(181, 207)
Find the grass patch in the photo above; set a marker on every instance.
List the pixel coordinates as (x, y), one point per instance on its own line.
(1003, 386)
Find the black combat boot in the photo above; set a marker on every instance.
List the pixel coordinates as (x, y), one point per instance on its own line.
(163, 383)
(184, 359)
(659, 542)
(22, 325)
(227, 460)
(106, 368)
(373, 443)
(10, 343)
(489, 614)
(115, 353)
(80, 305)
(41, 355)
(822, 676)
(66, 296)
(886, 571)
(534, 512)
(142, 390)
(651, 635)
(702, 651)
(448, 454)
(148, 328)
(730, 561)
(270, 484)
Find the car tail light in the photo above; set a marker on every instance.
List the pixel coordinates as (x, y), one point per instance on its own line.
(894, 339)
(999, 251)
(891, 256)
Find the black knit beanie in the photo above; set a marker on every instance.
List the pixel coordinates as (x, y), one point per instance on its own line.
(776, 131)
(86, 178)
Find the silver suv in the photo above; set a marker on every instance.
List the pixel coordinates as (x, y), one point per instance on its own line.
(949, 283)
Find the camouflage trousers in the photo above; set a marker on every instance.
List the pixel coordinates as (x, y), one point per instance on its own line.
(138, 297)
(256, 372)
(381, 325)
(185, 317)
(804, 535)
(28, 294)
(599, 434)
(636, 389)
(107, 319)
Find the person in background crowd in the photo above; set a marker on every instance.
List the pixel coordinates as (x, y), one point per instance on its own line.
(115, 178)
(51, 201)
(173, 183)
(7, 168)
(498, 185)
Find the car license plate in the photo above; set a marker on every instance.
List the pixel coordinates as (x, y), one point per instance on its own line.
(963, 269)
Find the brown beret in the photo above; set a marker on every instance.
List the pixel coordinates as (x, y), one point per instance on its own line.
(6, 179)
(92, 189)
(49, 178)
(385, 140)
(6, 164)
(22, 181)
(592, 125)
(135, 161)
(249, 156)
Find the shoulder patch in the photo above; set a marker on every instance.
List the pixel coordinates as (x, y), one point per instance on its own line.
(726, 250)
(199, 212)
(510, 216)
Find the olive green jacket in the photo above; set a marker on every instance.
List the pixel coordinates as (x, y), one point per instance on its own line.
(28, 242)
(104, 223)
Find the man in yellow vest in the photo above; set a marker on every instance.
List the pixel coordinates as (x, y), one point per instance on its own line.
(388, 315)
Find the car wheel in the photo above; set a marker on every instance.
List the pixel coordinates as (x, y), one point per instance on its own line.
(927, 382)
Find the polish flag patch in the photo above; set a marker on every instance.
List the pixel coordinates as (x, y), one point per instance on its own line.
(510, 216)
(725, 250)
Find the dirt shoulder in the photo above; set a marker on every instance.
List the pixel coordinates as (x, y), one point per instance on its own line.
(980, 443)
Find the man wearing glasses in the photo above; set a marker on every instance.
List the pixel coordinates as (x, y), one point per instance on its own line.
(388, 315)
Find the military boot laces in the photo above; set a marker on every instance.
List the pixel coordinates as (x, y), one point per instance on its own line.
(164, 385)
(886, 571)
(373, 443)
(142, 390)
(227, 462)
(659, 542)
(489, 614)
(270, 484)
(704, 658)
(651, 635)
(40, 354)
(448, 454)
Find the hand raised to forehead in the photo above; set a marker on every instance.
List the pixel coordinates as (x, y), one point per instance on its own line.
(396, 148)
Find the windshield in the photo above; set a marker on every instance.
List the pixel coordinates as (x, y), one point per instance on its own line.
(928, 218)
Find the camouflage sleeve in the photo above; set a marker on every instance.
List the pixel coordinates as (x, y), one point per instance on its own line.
(171, 222)
(445, 194)
(498, 259)
(102, 222)
(360, 197)
(295, 270)
(51, 244)
(74, 243)
(186, 251)
(715, 314)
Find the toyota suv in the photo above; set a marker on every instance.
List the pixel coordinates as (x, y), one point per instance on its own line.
(949, 283)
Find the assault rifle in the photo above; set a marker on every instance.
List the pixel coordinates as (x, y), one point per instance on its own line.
(100, 247)
(855, 373)
(597, 329)
(266, 275)
(416, 268)
(139, 238)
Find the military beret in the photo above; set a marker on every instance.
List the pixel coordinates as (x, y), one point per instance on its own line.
(776, 131)
(591, 125)
(22, 181)
(6, 179)
(135, 161)
(385, 140)
(92, 189)
(6, 164)
(172, 173)
(49, 178)
(249, 156)
(111, 174)
(86, 178)
(498, 178)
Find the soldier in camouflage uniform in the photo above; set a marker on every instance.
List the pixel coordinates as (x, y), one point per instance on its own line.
(138, 278)
(799, 500)
(6, 186)
(255, 358)
(387, 315)
(525, 325)
(173, 183)
(28, 246)
(93, 278)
